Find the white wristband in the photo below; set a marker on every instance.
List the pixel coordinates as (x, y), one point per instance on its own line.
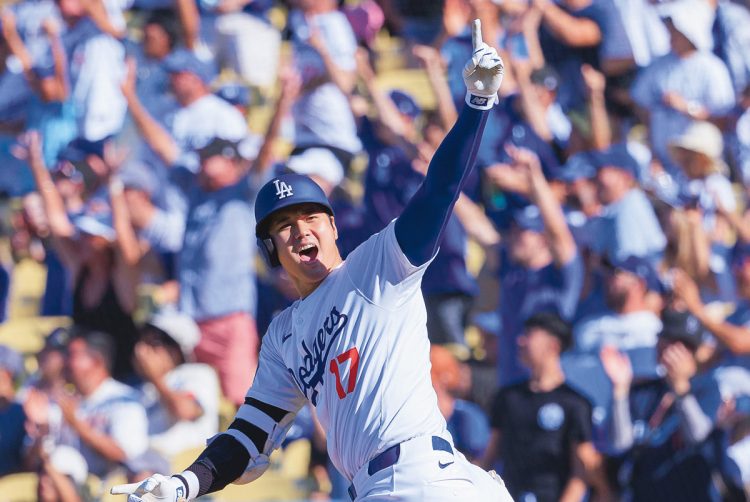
(480, 102)
(193, 485)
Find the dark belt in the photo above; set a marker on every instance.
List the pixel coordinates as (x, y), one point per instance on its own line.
(389, 457)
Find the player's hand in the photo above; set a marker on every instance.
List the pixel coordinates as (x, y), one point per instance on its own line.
(156, 488)
(483, 73)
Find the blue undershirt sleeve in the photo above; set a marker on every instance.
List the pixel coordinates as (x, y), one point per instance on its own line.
(420, 227)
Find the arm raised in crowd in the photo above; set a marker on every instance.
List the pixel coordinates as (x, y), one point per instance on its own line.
(601, 132)
(52, 87)
(190, 20)
(61, 227)
(620, 373)
(151, 131)
(290, 84)
(736, 338)
(570, 30)
(561, 240)
(97, 11)
(434, 66)
(342, 78)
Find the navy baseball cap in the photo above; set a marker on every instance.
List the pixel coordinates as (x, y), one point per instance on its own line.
(220, 146)
(284, 191)
(234, 93)
(405, 103)
(183, 60)
(57, 340)
(639, 267)
(547, 77)
(80, 148)
(578, 166)
(681, 327)
(616, 156)
(529, 218)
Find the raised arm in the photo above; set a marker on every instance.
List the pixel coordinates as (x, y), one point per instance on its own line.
(420, 227)
(560, 238)
(155, 135)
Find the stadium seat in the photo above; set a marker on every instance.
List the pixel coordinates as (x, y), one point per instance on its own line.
(18, 487)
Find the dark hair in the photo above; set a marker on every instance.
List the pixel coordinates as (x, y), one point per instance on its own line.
(165, 19)
(98, 342)
(552, 323)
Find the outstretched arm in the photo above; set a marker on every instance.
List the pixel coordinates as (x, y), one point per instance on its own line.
(420, 227)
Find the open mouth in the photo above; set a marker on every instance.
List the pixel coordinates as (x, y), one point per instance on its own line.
(308, 253)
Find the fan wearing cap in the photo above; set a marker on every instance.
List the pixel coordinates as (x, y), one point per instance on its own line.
(698, 152)
(101, 255)
(541, 268)
(690, 83)
(541, 427)
(181, 398)
(96, 65)
(659, 425)
(104, 420)
(355, 344)
(627, 225)
(12, 416)
(215, 265)
(50, 377)
(324, 47)
(200, 117)
(734, 332)
(629, 321)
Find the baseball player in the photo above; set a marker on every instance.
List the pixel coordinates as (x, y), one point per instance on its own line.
(355, 345)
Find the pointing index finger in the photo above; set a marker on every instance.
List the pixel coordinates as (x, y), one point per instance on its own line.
(124, 489)
(476, 34)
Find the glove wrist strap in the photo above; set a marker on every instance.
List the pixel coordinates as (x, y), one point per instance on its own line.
(480, 102)
(190, 484)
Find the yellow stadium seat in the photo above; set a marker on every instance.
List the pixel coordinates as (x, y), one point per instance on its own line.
(18, 487)
(26, 335)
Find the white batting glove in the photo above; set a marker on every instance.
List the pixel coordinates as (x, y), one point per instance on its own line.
(157, 488)
(483, 73)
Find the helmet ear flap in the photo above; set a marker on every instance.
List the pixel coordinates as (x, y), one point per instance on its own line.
(268, 252)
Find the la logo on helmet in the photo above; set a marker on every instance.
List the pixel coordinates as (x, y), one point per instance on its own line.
(282, 189)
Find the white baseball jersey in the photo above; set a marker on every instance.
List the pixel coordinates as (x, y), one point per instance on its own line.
(357, 348)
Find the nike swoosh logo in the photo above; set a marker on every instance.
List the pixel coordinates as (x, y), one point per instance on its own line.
(286, 337)
(444, 465)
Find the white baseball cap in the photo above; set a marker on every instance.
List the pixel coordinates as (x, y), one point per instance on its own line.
(318, 162)
(701, 137)
(692, 18)
(179, 327)
(67, 460)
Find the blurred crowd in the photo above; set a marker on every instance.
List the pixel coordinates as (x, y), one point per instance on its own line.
(589, 308)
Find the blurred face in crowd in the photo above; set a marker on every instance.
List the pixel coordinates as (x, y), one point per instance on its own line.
(612, 184)
(71, 10)
(679, 42)
(187, 86)
(305, 239)
(156, 42)
(696, 165)
(543, 95)
(742, 273)
(619, 286)
(525, 245)
(6, 385)
(85, 368)
(536, 346)
(217, 172)
(51, 364)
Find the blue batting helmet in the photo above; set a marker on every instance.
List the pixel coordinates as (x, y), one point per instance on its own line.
(283, 191)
